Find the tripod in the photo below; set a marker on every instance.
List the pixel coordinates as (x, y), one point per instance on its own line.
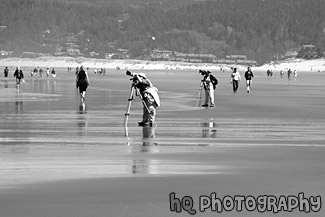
(199, 97)
(134, 91)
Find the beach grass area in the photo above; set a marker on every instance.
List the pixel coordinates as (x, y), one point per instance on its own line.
(59, 157)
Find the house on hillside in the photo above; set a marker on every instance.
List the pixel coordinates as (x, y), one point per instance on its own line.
(290, 54)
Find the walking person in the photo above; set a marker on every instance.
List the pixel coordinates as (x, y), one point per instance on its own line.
(248, 76)
(82, 81)
(6, 72)
(235, 79)
(18, 75)
(150, 99)
(209, 83)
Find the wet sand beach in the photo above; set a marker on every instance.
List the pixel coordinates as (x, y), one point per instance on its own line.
(59, 157)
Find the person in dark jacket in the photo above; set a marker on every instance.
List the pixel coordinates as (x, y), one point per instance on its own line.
(18, 75)
(82, 81)
(248, 76)
(6, 72)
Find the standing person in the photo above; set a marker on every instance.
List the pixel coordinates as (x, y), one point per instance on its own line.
(48, 72)
(295, 74)
(77, 70)
(53, 73)
(235, 79)
(40, 73)
(248, 76)
(150, 98)
(18, 75)
(209, 83)
(82, 81)
(35, 72)
(6, 72)
(289, 74)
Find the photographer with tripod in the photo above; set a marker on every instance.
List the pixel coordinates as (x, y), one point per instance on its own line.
(209, 82)
(142, 87)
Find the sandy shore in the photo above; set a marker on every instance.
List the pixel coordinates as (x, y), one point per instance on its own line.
(61, 158)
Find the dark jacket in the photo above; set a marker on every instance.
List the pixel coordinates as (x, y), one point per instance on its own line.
(249, 75)
(19, 74)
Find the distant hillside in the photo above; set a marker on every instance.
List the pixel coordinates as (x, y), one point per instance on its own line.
(256, 28)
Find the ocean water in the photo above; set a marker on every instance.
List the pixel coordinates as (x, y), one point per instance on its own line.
(46, 134)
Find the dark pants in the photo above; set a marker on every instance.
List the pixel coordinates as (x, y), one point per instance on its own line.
(235, 85)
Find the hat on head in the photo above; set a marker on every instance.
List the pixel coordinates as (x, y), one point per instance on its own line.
(142, 75)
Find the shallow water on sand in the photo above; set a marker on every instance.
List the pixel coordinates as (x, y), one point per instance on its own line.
(46, 134)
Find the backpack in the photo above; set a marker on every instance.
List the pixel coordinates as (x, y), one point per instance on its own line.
(214, 81)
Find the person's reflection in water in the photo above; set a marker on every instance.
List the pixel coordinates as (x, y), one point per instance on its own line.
(53, 87)
(6, 84)
(144, 165)
(82, 119)
(209, 129)
(18, 106)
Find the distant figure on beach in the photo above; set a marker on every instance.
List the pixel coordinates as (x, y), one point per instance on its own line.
(53, 73)
(281, 74)
(48, 72)
(295, 74)
(77, 70)
(18, 75)
(83, 82)
(150, 99)
(289, 74)
(248, 76)
(209, 83)
(269, 73)
(40, 71)
(6, 72)
(235, 79)
(35, 72)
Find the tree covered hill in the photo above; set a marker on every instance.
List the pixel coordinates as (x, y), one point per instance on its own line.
(256, 28)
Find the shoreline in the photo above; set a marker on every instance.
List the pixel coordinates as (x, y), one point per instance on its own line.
(316, 65)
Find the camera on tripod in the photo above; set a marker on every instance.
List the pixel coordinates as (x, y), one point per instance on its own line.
(133, 75)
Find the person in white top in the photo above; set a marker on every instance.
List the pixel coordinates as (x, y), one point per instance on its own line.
(235, 79)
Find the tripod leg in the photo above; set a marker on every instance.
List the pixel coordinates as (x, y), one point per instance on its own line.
(127, 113)
(199, 96)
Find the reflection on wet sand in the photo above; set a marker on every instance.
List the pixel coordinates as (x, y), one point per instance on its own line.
(144, 165)
(82, 119)
(6, 84)
(51, 86)
(209, 129)
(18, 106)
